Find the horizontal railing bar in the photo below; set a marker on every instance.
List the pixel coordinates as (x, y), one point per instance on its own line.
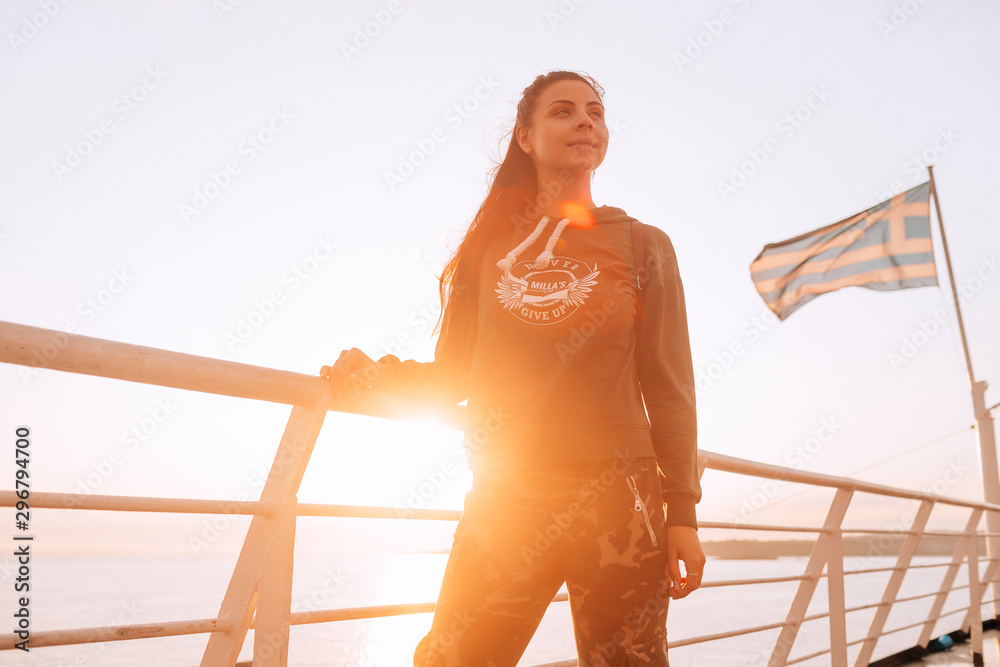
(953, 612)
(83, 501)
(761, 527)
(725, 635)
(803, 658)
(732, 464)
(56, 350)
(370, 512)
(73, 353)
(202, 626)
(56, 500)
(892, 631)
(748, 582)
(360, 613)
(872, 605)
(883, 531)
(912, 625)
(875, 605)
(373, 611)
(924, 566)
(948, 533)
(927, 566)
(922, 596)
(922, 533)
(114, 633)
(875, 570)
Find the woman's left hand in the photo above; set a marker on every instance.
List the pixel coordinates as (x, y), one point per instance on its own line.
(683, 545)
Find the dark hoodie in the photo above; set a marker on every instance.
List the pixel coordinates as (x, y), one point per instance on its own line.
(541, 340)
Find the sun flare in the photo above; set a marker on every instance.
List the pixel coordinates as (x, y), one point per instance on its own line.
(578, 214)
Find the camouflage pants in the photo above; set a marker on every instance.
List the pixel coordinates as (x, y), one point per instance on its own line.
(599, 527)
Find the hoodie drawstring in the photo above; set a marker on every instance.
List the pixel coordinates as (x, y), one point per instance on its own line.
(507, 263)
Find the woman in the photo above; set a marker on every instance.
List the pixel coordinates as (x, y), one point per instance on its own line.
(561, 359)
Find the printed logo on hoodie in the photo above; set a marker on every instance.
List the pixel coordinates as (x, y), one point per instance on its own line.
(547, 289)
(548, 295)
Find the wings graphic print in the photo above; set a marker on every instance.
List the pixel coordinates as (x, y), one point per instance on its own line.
(512, 292)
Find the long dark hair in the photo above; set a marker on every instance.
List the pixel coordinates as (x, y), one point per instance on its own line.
(511, 196)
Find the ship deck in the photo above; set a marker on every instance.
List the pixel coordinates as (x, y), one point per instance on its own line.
(961, 655)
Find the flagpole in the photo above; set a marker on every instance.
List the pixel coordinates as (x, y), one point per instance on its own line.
(951, 276)
(984, 417)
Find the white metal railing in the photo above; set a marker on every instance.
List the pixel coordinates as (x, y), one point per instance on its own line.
(259, 597)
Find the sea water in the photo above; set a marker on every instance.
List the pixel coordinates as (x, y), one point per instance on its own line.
(78, 591)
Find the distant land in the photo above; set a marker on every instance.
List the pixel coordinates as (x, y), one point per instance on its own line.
(868, 547)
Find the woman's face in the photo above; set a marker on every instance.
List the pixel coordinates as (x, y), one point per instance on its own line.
(568, 131)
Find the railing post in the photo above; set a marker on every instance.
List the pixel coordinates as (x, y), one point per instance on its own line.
(988, 577)
(814, 568)
(283, 480)
(991, 481)
(958, 555)
(975, 598)
(906, 552)
(837, 603)
(274, 592)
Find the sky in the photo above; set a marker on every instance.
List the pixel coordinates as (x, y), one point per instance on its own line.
(271, 183)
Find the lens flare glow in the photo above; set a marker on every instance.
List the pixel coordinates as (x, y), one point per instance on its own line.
(578, 214)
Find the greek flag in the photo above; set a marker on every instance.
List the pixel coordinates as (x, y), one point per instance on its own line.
(887, 247)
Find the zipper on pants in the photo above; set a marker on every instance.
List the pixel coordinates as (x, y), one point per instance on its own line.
(641, 507)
